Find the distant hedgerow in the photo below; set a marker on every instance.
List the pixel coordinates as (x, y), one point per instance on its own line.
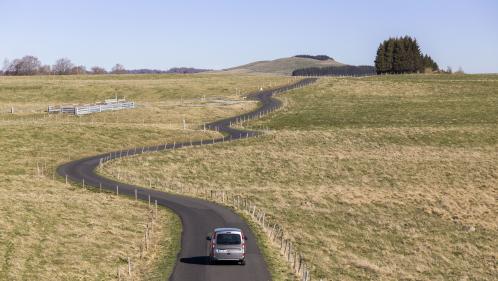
(346, 70)
(318, 57)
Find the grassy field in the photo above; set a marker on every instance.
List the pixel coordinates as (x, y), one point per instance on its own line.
(384, 178)
(50, 231)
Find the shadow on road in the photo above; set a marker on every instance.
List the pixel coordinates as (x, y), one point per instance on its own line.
(196, 260)
(204, 260)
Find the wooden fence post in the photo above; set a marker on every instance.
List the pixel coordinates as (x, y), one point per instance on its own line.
(289, 253)
(300, 264)
(146, 237)
(155, 202)
(272, 232)
(129, 266)
(294, 260)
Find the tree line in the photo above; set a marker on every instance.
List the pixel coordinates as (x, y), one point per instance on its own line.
(317, 57)
(402, 55)
(345, 70)
(31, 65)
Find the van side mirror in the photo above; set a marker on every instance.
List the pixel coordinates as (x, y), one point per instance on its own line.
(245, 237)
(208, 238)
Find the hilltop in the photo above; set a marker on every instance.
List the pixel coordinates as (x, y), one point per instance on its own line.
(284, 66)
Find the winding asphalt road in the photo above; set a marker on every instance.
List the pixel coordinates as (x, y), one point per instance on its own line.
(198, 216)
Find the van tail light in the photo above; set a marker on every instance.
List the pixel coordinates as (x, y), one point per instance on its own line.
(243, 246)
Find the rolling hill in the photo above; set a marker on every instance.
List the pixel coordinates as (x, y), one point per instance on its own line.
(283, 66)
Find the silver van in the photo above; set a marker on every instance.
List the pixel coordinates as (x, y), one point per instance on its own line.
(227, 244)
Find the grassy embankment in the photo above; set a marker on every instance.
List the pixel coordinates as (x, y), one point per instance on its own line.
(383, 178)
(52, 231)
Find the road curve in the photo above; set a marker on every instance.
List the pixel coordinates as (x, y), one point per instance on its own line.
(198, 216)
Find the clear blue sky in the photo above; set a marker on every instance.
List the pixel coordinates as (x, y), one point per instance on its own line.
(219, 34)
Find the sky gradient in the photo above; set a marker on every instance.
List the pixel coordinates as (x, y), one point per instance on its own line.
(219, 34)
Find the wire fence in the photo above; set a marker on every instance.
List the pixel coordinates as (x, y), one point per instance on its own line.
(58, 119)
(128, 271)
(274, 231)
(133, 262)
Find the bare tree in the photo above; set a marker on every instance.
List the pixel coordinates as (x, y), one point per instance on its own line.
(45, 70)
(98, 70)
(12, 67)
(28, 65)
(77, 70)
(62, 66)
(119, 69)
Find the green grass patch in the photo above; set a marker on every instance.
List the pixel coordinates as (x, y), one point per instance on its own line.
(381, 178)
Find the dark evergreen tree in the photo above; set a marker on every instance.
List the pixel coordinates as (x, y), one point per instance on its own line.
(399, 57)
(428, 63)
(402, 55)
(389, 55)
(380, 59)
(418, 65)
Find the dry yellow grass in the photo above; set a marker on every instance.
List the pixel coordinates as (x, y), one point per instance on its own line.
(50, 231)
(383, 178)
(34, 94)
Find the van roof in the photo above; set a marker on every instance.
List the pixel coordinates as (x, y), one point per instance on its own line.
(227, 229)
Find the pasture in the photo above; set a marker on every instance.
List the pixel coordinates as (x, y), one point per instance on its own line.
(382, 178)
(50, 230)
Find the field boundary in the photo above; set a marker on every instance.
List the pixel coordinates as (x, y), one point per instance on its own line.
(108, 105)
(273, 230)
(83, 170)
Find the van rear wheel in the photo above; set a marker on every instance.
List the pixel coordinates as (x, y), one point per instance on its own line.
(242, 262)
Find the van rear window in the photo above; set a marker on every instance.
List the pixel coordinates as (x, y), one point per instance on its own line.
(228, 239)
